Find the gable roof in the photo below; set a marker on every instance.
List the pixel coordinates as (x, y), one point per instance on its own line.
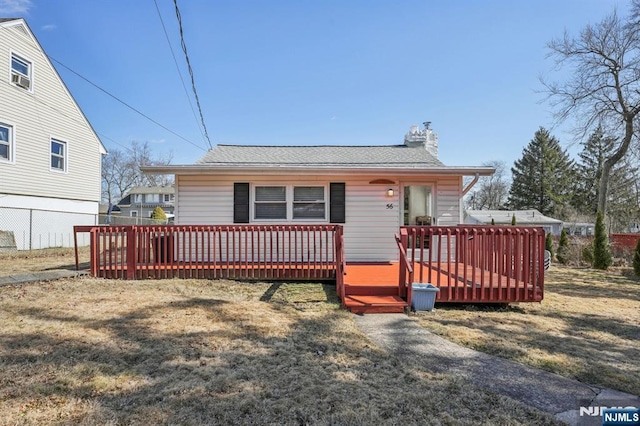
(324, 155)
(523, 217)
(24, 27)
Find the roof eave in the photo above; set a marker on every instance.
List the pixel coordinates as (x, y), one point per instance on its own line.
(207, 169)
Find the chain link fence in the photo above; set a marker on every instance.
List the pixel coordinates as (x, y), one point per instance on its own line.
(115, 219)
(38, 229)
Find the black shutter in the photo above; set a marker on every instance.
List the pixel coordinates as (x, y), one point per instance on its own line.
(240, 203)
(337, 203)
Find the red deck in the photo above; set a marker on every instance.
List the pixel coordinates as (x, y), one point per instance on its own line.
(464, 284)
(468, 264)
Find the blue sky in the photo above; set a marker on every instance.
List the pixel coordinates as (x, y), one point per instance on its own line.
(343, 72)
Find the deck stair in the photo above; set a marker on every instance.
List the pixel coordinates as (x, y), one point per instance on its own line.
(370, 299)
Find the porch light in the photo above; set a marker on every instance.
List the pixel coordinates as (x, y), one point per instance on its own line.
(390, 192)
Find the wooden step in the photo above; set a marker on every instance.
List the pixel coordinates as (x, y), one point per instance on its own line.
(371, 290)
(374, 304)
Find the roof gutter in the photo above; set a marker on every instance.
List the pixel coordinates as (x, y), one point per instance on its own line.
(202, 169)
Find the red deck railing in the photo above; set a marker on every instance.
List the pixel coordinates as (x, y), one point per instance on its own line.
(234, 251)
(476, 264)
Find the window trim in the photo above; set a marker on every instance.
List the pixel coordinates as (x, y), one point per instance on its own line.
(65, 155)
(30, 76)
(12, 142)
(289, 202)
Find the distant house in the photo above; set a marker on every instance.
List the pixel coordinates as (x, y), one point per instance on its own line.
(370, 190)
(140, 201)
(50, 156)
(580, 228)
(523, 218)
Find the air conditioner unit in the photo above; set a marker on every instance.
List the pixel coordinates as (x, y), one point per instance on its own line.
(21, 80)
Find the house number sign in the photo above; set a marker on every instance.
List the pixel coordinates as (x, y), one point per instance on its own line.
(389, 206)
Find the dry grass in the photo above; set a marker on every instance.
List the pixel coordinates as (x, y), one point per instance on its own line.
(587, 328)
(41, 260)
(89, 351)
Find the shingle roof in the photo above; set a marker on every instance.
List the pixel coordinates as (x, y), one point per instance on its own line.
(362, 156)
(523, 217)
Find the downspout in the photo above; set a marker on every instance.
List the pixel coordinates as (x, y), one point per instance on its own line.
(471, 184)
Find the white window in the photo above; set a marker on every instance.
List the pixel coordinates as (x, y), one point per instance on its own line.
(21, 72)
(290, 203)
(58, 155)
(6, 142)
(271, 202)
(308, 202)
(167, 198)
(137, 198)
(153, 198)
(134, 213)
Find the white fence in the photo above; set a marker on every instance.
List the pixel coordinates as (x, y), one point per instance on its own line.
(38, 229)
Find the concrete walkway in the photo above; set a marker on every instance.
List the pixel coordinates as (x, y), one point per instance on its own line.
(51, 275)
(403, 337)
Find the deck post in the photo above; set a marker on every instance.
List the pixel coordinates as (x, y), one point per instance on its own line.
(131, 252)
(402, 281)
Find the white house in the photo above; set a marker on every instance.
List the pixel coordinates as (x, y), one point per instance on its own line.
(372, 190)
(530, 217)
(50, 156)
(140, 201)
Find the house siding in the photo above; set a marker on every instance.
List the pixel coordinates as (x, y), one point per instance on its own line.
(372, 218)
(48, 111)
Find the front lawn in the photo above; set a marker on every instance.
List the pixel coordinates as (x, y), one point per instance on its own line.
(587, 327)
(93, 351)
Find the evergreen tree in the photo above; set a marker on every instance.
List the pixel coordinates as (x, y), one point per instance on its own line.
(563, 248)
(622, 204)
(548, 244)
(601, 252)
(158, 215)
(543, 178)
(636, 259)
(513, 220)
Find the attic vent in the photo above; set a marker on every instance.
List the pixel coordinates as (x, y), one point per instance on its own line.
(22, 30)
(21, 80)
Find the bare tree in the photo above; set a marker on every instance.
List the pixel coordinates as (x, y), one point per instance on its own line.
(121, 171)
(491, 191)
(604, 86)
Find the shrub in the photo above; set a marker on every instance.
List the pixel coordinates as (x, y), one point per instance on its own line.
(563, 248)
(513, 220)
(159, 215)
(602, 258)
(636, 259)
(548, 244)
(587, 253)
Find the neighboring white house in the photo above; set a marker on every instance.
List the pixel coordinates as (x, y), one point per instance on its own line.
(140, 201)
(371, 190)
(50, 157)
(530, 217)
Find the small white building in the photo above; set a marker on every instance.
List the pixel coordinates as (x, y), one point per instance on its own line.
(530, 217)
(371, 190)
(50, 156)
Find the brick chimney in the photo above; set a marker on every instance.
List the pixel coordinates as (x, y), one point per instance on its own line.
(426, 138)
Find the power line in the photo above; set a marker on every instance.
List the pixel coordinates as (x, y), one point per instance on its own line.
(126, 104)
(175, 61)
(193, 82)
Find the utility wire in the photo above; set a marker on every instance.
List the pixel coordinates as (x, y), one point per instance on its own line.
(175, 61)
(126, 104)
(193, 82)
